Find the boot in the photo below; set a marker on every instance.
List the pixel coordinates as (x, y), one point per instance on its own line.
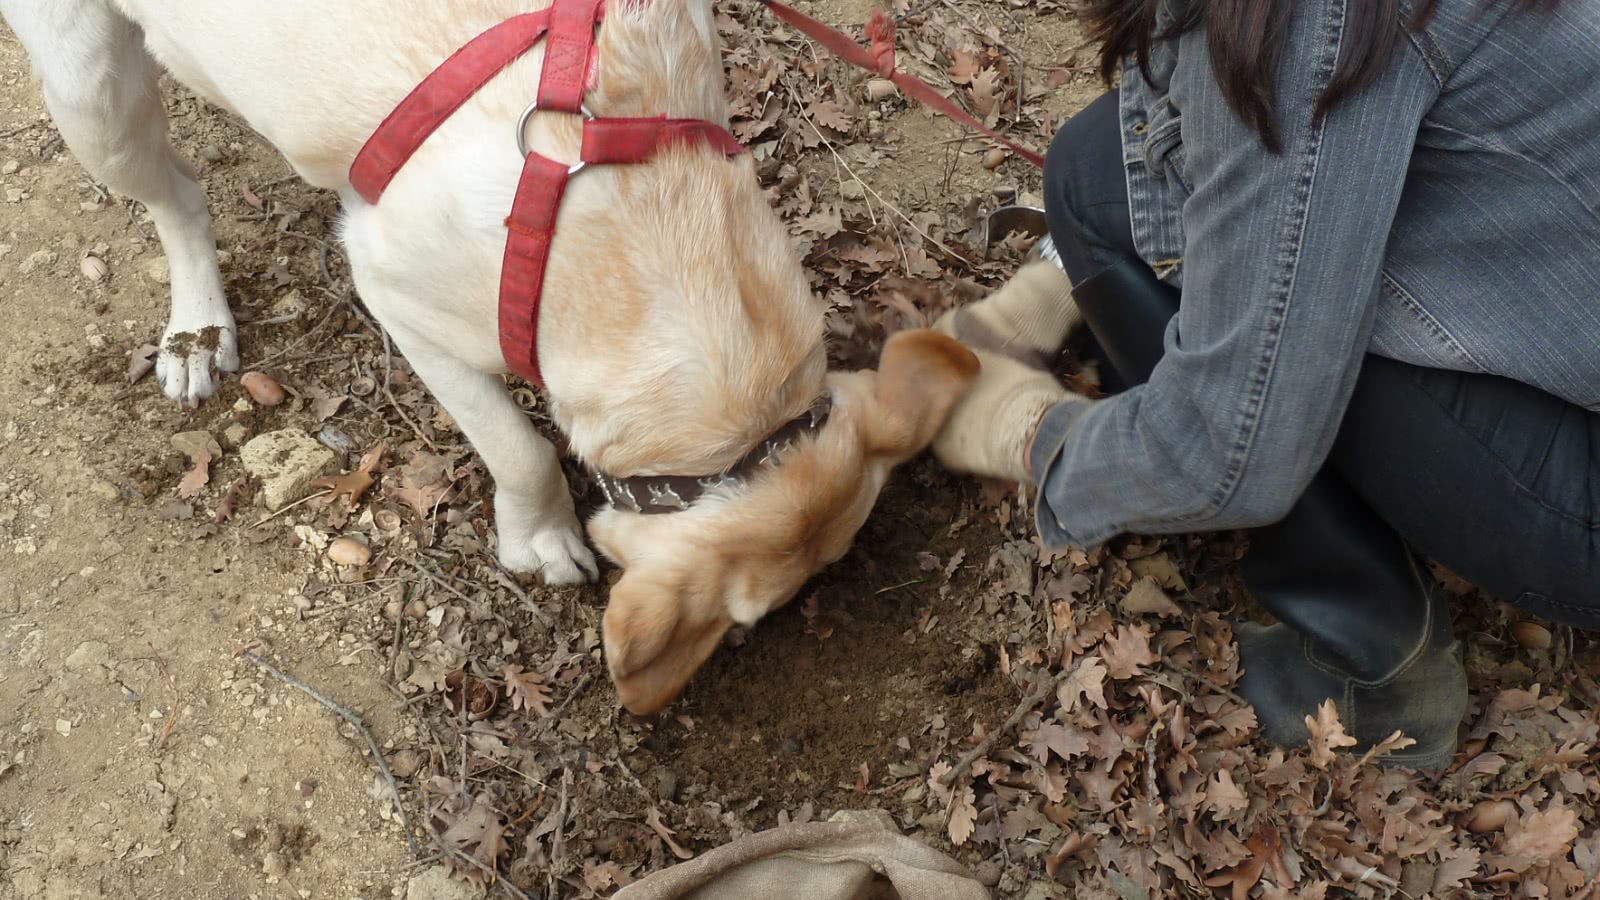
(1360, 621)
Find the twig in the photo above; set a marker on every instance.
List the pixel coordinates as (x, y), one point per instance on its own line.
(494, 877)
(305, 499)
(21, 129)
(557, 848)
(1034, 698)
(355, 722)
(436, 579)
(1215, 687)
(572, 695)
(879, 197)
(388, 364)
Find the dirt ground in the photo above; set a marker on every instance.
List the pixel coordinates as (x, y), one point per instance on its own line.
(141, 755)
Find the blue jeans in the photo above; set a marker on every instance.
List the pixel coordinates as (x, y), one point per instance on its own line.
(1497, 480)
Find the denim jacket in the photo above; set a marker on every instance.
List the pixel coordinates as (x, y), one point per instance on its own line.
(1446, 216)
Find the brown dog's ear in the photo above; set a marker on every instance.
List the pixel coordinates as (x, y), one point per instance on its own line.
(658, 628)
(921, 375)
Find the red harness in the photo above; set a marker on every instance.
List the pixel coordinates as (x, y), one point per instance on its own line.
(568, 30)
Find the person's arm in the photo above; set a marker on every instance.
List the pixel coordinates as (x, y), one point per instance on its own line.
(1280, 275)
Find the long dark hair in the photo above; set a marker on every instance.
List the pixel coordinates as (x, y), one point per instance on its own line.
(1245, 39)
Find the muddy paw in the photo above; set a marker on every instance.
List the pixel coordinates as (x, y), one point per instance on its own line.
(191, 359)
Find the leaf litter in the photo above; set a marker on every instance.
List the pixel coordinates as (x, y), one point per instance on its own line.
(1065, 722)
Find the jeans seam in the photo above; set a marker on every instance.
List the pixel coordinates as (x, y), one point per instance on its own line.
(1421, 314)
(1587, 523)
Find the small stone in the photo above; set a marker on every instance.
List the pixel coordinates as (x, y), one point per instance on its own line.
(988, 873)
(14, 195)
(10, 167)
(158, 271)
(190, 443)
(667, 784)
(93, 269)
(235, 434)
(103, 489)
(405, 763)
(286, 462)
(63, 727)
(38, 259)
(211, 153)
(852, 190)
(438, 884)
(209, 741)
(875, 817)
(272, 864)
(89, 655)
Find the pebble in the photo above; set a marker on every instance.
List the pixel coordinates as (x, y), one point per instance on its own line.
(103, 489)
(438, 884)
(158, 271)
(852, 190)
(14, 195)
(405, 763)
(988, 873)
(38, 259)
(235, 434)
(89, 655)
(667, 784)
(10, 167)
(286, 462)
(272, 863)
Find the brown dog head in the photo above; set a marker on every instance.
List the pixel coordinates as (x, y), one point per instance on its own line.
(737, 554)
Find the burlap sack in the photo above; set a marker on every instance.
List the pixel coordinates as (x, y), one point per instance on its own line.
(816, 861)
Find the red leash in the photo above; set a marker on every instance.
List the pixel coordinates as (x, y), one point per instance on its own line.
(880, 59)
(568, 30)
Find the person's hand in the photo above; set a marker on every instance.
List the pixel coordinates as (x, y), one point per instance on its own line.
(1028, 319)
(991, 427)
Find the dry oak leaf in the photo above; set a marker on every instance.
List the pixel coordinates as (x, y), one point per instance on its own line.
(1147, 598)
(1456, 867)
(482, 830)
(963, 816)
(1224, 798)
(963, 65)
(1053, 736)
(829, 114)
(1544, 835)
(653, 819)
(527, 690)
(1087, 682)
(142, 361)
(986, 96)
(1327, 735)
(353, 484)
(195, 480)
(1128, 651)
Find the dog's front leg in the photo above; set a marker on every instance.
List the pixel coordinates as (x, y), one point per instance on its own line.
(535, 521)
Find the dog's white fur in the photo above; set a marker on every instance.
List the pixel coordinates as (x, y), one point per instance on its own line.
(676, 330)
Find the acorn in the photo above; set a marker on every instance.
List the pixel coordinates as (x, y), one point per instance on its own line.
(262, 388)
(1490, 815)
(1531, 635)
(348, 552)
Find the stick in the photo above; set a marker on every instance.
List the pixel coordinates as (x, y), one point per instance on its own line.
(494, 877)
(355, 721)
(1034, 698)
(306, 499)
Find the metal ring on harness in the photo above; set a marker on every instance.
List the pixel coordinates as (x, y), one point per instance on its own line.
(522, 128)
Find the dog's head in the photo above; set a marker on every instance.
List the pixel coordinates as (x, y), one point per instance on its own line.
(739, 553)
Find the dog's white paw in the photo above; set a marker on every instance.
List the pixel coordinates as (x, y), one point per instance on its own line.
(557, 555)
(192, 357)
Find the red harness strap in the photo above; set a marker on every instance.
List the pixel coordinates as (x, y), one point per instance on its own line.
(568, 28)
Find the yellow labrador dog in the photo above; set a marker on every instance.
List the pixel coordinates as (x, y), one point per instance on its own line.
(680, 346)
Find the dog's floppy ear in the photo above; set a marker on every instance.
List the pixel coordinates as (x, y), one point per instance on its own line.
(660, 624)
(921, 375)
